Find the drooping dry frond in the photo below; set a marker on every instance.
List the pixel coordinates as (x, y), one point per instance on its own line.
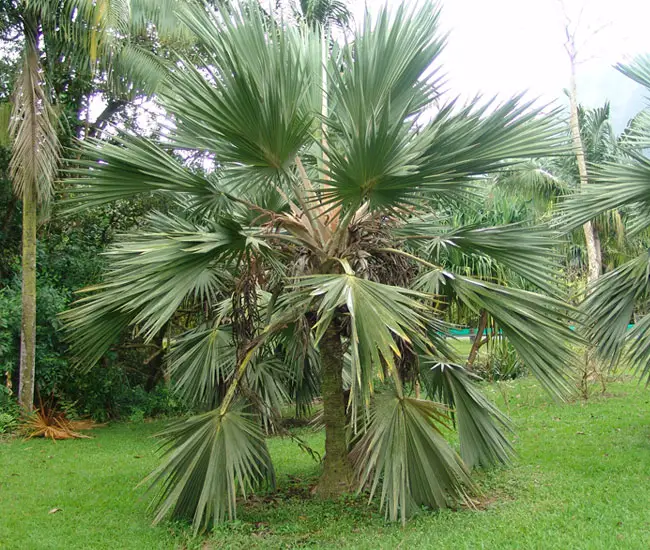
(36, 146)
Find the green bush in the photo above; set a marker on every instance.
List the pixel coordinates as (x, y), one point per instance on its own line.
(8, 423)
(9, 411)
(499, 361)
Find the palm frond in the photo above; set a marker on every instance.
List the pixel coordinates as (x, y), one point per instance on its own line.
(133, 67)
(128, 167)
(389, 79)
(615, 185)
(611, 303)
(36, 148)
(527, 251)
(533, 180)
(267, 379)
(300, 354)
(151, 274)
(404, 451)
(638, 70)
(480, 424)
(325, 12)
(378, 315)
(538, 326)
(250, 104)
(210, 458)
(199, 360)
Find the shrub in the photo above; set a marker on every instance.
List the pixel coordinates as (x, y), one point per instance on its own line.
(499, 361)
(9, 411)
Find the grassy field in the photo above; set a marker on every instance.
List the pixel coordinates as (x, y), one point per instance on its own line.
(581, 480)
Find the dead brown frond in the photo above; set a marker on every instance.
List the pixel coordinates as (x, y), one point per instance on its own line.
(52, 424)
(85, 425)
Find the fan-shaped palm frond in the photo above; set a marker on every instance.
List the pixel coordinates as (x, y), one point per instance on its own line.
(256, 96)
(534, 258)
(378, 314)
(404, 452)
(638, 70)
(152, 274)
(211, 458)
(537, 326)
(480, 424)
(199, 360)
(128, 167)
(611, 304)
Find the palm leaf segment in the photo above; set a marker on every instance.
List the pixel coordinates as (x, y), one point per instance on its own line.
(299, 190)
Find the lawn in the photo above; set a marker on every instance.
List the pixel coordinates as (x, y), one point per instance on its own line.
(581, 480)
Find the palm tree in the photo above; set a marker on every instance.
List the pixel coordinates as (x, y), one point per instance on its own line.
(33, 167)
(304, 261)
(621, 295)
(545, 182)
(324, 13)
(96, 37)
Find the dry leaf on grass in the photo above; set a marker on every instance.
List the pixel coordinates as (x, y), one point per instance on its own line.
(50, 424)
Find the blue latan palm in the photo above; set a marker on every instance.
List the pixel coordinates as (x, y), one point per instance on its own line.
(301, 247)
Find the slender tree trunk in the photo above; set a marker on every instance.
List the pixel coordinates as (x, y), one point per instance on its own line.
(592, 240)
(594, 256)
(156, 363)
(28, 324)
(338, 476)
(478, 341)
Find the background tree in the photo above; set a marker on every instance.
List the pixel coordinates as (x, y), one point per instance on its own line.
(621, 296)
(85, 44)
(33, 168)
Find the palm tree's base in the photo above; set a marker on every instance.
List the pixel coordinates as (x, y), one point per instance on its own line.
(337, 480)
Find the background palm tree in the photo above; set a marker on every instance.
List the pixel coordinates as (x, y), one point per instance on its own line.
(543, 183)
(621, 296)
(306, 259)
(324, 13)
(103, 38)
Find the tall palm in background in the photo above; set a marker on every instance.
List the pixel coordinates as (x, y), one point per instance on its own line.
(621, 296)
(97, 38)
(324, 13)
(307, 257)
(543, 183)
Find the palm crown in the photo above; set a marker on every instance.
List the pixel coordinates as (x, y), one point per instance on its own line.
(314, 255)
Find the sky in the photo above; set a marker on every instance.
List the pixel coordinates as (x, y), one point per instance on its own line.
(504, 47)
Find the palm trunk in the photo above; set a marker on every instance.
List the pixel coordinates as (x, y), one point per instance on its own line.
(478, 341)
(337, 477)
(28, 324)
(594, 255)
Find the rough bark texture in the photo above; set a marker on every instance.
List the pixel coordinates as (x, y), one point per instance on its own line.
(28, 324)
(338, 476)
(594, 256)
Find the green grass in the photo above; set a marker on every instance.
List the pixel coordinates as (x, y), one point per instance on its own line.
(581, 480)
